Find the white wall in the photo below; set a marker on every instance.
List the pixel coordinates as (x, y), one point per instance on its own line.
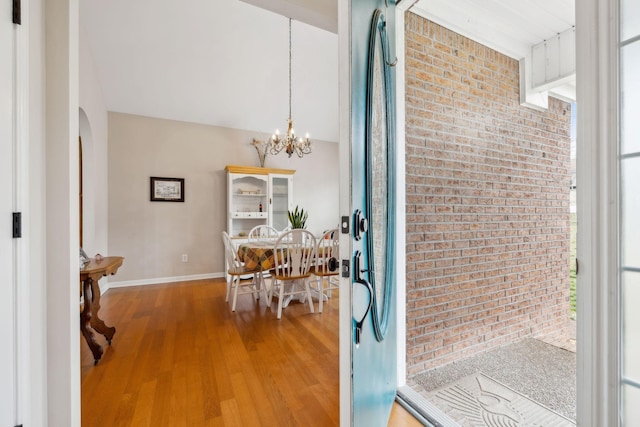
(35, 217)
(93, 130)
(62, 280)
(121, 150)
(152, 236)
(223, 63)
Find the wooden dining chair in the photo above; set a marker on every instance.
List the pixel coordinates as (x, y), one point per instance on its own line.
(324, 279)
(263, 232)
(293, 254)
(235, 270)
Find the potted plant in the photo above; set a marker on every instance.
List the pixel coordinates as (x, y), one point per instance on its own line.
(298, 218)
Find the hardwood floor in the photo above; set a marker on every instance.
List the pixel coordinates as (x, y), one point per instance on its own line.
(181, 357)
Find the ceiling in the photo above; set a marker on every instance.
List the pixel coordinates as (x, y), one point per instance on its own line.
(224, 63)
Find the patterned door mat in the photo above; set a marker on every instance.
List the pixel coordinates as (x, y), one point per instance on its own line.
(480, 401)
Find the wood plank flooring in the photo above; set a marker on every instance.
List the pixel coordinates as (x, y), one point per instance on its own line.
(181, 357)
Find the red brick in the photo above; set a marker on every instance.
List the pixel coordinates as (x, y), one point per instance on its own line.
(487, 201)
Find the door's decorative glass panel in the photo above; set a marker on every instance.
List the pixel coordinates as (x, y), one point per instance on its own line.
(379, 164)
(629, 98)
(379, 173)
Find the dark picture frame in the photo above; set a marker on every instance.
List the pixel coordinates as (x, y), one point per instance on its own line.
(166, 189)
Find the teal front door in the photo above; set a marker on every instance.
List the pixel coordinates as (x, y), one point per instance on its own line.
(373, 346)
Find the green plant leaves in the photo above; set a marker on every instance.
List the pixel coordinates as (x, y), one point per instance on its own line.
(298, 218)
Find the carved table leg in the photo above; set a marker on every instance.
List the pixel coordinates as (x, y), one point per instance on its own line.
(85, 320)
(97, 323)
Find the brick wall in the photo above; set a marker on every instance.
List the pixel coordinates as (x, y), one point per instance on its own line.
(487, 201)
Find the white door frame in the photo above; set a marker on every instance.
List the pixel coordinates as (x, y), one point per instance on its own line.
(8, 285)
(345, 208)
(598, 342)
(25, 289)
(18, 352)
(400, 208)
(61, 100)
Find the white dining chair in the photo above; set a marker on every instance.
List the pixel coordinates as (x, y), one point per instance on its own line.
(262, 232)
(235, 270)
(324, 279)
(293, 254)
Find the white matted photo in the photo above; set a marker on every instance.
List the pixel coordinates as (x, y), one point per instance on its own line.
(167, 189)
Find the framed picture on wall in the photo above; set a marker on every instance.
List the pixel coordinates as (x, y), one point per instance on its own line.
(167, 189)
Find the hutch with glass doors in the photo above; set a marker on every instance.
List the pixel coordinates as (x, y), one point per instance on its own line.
(257, 196)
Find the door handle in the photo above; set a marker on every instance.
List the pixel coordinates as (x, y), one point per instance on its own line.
(366, 286)
(360, 320)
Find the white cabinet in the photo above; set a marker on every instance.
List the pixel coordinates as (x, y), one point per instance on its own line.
(257, 196)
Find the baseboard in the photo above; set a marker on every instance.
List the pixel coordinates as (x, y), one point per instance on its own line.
(161, 280)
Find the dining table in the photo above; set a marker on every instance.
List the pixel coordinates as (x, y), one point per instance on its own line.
(260, 254)
(257, 254)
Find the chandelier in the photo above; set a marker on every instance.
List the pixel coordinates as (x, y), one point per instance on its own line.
(289, 142)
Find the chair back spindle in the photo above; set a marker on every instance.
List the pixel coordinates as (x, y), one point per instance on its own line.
(262, 232)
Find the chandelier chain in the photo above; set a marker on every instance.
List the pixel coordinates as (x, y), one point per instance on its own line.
(289, 142)
(289, 68)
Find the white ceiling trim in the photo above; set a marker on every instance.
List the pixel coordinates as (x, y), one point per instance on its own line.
(319, 13)
(507, 26)
(474, 30)
(513, 29)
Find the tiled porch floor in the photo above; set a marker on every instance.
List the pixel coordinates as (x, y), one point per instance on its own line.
(543, 369)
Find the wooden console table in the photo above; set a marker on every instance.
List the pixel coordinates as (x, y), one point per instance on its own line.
(89, 320)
